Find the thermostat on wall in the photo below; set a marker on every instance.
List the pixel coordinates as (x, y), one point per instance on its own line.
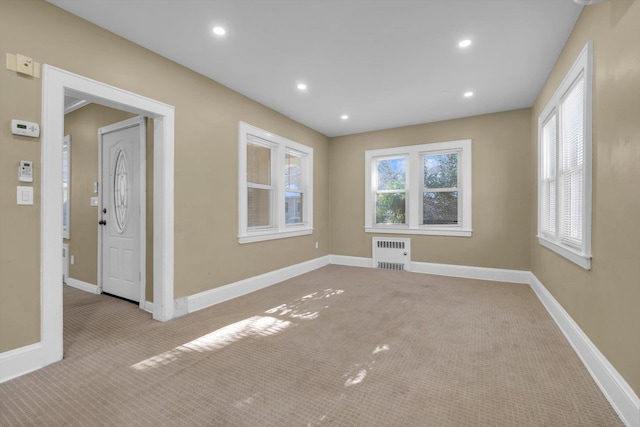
(20, 127)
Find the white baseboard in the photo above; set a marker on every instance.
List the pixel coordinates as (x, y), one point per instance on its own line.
(615, 388)
(20, 361)
(224, 293)
(148, 307)
(180, 307)
(623, 399)
(480, 273)
(83, 286)
(353, 261)
(470, 272)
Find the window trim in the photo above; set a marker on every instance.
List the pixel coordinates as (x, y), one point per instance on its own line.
(66, 148)
(582, 67)
(414, 185)
(279, 146)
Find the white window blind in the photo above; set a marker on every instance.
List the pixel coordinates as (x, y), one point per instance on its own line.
(572, 137)
(259, 183)
(549, 143)
(564, 183)
(275, 197)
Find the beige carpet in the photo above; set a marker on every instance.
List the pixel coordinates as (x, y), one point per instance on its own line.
(339, 346)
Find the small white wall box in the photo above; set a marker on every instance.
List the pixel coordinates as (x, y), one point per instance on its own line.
(23, 128)
(25, 171)
(25, 195)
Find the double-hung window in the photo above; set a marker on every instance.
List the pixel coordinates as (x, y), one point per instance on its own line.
(564, 171)
(419, 189)
(66, 187)
(276, 186)
(391, 190)
(440, 201)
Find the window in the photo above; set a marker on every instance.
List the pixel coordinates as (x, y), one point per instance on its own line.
(66, 187)
(564, 171)
(419, 189)
(276, 186)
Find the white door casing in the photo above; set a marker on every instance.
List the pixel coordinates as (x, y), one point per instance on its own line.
(56, 83)
(122, 197)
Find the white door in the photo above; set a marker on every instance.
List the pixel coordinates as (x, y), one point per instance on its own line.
(120, 209)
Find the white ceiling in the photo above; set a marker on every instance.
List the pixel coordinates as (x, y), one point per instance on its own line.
(385, 63)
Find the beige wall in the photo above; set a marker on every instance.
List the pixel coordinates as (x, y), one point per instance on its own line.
(207, 253)
(501, 186)
(83, 125)
(605, 302)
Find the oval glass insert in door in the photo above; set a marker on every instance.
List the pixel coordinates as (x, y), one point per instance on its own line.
(121, 190)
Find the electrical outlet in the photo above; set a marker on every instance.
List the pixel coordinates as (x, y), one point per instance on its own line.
(24, 65)
(316, 245)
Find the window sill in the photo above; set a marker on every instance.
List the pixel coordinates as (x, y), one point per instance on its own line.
(458, 232)
(272, 235)
(583, 261)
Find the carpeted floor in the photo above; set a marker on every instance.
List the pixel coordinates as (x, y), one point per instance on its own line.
(340, 346)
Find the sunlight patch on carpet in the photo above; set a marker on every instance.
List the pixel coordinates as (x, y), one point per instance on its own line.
(261, 326)
(295, 309)
(256, 326)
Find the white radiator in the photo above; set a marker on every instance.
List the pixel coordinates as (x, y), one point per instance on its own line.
(392, 254)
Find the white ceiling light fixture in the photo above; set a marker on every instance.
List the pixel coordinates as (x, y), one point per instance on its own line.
(219, 31)
(344, 117)
(302, 86)
(587, 2)
(468, 94)
(465, 43)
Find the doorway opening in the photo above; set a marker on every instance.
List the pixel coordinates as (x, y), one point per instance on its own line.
(57, 84)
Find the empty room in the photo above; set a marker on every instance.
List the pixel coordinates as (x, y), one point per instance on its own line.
(319, 212)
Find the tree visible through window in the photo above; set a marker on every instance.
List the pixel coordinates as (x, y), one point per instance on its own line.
(440, 193)
(421, 189)
(390, 193)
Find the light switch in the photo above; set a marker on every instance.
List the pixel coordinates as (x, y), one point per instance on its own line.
(25, 195)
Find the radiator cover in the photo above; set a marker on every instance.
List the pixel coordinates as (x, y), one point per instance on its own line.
(392, 254)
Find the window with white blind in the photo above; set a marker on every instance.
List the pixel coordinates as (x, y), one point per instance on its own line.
(419, 189)
(66, 187)
(276, 186)
(564, 166)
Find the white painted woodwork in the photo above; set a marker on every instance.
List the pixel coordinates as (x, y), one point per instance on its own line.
(121, 198)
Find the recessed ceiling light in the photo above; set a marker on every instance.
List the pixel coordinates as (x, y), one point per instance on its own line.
(468, 94)
(344, 117)
(219, 31)
(464, 43)
(302, 86)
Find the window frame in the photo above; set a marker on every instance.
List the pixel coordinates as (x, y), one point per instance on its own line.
(279, 147)
(66, 207)
(555, 240)
(414, 185)
(405, 190)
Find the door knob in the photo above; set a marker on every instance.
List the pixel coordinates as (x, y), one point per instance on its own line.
(102, 222)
